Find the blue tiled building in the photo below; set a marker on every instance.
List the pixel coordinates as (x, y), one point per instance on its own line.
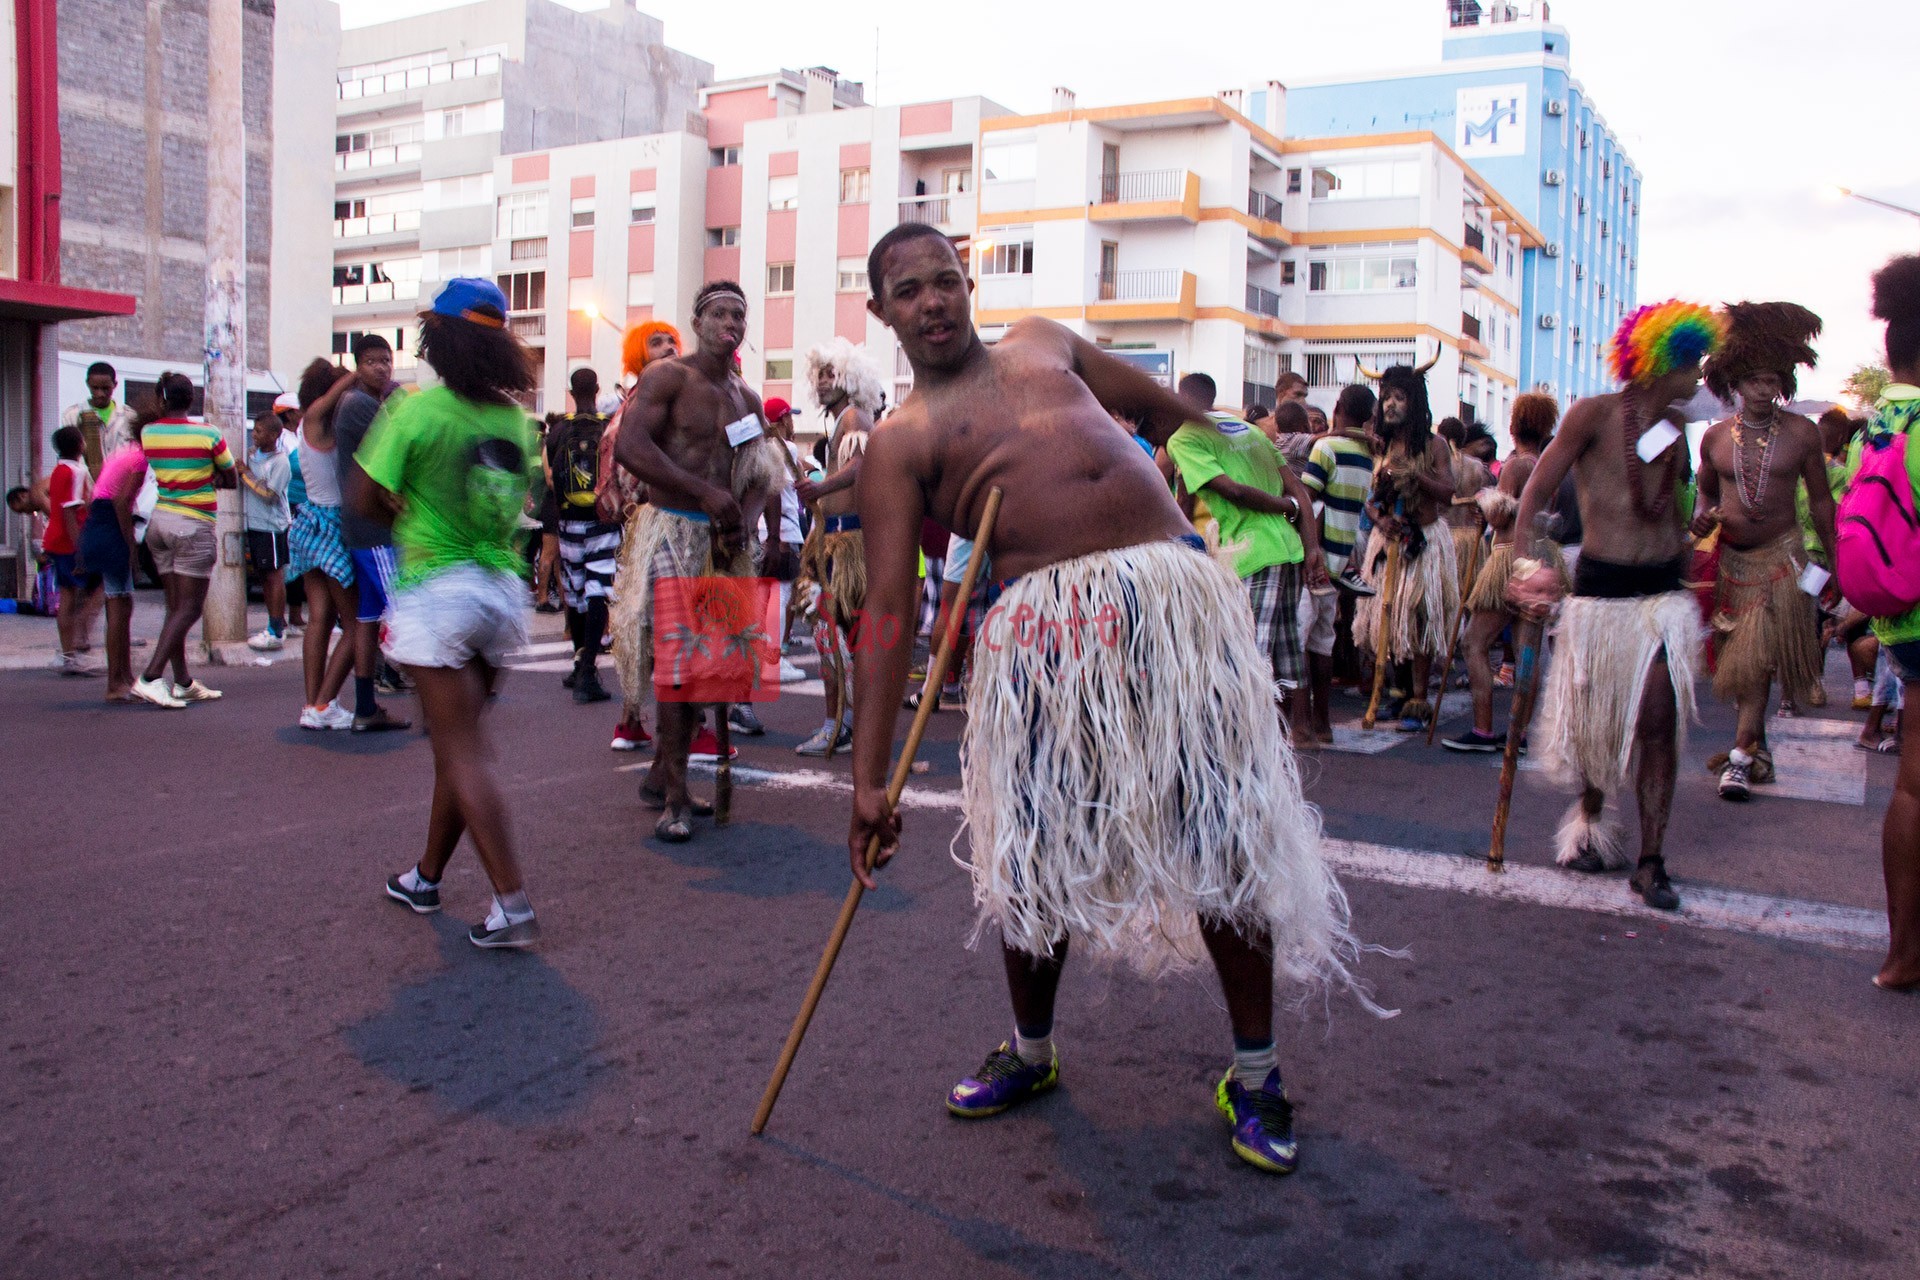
(1504, 97)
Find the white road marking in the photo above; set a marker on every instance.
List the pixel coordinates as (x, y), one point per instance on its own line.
(548, 664)
(541, 650)
(1822, 923)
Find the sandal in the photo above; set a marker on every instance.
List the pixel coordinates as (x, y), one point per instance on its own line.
(673, 830)
(657, 800)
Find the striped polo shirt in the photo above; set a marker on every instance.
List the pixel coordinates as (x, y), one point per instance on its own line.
(1339, 473)
(184, 456)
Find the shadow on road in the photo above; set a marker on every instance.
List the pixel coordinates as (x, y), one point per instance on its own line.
(348, 744)
(763, 860)
(494, 1034)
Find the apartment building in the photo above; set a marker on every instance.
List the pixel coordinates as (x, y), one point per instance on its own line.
(425, 107)
(1187, 236)
(804, 177)
(1503, 93)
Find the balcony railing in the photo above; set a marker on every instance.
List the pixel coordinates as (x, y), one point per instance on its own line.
(378, 224)
(346, 295)
(1161, 285)
(1470, 326)
(1263, 302)
(1476, 239)
(935, 210)
(1143, 185)
(1263, 206)
(376, 157)
(528, 326)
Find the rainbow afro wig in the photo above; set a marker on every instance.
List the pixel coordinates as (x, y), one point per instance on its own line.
(633, 347)
(1657, 339)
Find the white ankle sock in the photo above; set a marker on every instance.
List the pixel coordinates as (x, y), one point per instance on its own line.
(1250, 1066)
(512, 908)
(412, 881)
(1036, 1053)
(1739, 757)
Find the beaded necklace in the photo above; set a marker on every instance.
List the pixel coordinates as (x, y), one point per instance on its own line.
(1753, 489)
(1632, 428)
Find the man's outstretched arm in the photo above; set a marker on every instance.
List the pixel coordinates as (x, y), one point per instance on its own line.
(892, 506)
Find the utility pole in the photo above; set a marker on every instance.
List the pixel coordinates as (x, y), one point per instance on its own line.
(225, 619)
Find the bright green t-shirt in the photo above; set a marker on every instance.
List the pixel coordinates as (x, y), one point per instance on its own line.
(1899, 413)
(1226, 446)
(461, 470)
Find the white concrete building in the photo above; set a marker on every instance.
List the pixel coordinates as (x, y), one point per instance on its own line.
(1187, 237)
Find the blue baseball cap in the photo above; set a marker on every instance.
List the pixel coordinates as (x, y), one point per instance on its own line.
(462, 296)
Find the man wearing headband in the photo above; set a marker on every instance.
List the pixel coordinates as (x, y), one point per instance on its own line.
(676, 436)
(1751, 469)
(1628, 637)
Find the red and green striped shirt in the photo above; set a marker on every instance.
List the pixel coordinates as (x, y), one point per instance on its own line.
(184, 455)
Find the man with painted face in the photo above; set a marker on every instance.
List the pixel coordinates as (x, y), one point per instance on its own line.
(1752, 467)
(675, 437)
(1412, 490)
(1116, 668)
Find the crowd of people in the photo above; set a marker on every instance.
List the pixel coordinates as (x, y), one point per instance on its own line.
(1169, 585)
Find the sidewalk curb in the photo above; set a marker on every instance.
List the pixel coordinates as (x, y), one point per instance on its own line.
(237, 653)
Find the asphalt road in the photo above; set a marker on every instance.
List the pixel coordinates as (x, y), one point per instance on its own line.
(227, 1054)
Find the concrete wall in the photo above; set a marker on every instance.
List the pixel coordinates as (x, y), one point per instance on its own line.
(306, 46)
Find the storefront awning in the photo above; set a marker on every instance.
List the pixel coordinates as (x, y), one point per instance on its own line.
(49, 303)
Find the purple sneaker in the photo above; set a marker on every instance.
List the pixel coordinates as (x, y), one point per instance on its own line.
(1003, 1080)
(1262, 1121)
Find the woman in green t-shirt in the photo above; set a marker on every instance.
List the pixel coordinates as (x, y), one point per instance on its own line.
(450, 467)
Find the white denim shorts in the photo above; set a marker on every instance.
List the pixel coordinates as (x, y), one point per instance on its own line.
(1319, 613)
(456, 616)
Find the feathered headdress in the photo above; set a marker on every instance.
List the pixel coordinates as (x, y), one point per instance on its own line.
(1662, 337)
(854, 372)
(1762, 337)
(633, 347)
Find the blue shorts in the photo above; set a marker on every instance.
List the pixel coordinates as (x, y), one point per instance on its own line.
(374, 568)
(64, 575)
(1906, 658)
(106, 549)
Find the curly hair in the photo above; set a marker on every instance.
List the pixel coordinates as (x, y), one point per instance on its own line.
(1896, 299)
(1533, 419)
(317, 379)
(854, 373)
(477, 362)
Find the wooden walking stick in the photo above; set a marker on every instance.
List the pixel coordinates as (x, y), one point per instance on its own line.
(1453, 650)
(1526, 684)
(1380, 636)
(983, 538)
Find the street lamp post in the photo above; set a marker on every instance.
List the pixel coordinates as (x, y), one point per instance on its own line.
(1850, 194)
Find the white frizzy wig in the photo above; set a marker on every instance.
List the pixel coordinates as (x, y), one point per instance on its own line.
(854, 372)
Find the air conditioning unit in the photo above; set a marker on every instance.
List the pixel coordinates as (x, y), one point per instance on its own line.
(1579, 271)
(1553, 177)
(1548, 321)
(1555, 107)
(1603, 291)
(1583, 204)
(1574, 330)
(1552, 250)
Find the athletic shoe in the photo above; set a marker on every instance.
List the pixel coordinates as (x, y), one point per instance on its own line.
(1350, 580)
(265, 641)
(572, 678)
(335, 716)
(496, 932)
(1262, 1121)
(73, 664)
(741, 719)
(1474, 740)
(424, 900)
(1651, 883)
(1736, 781)
(157, 692)
(587, 686)
(294, 631)
(196, 692)
(1412, 724)
(791, 673)
(630, 737)
(1862, 695)
(389, 680)
(1503, 679)
(706, 747)
(381, 721)
(1003, 1080)
(817, 744)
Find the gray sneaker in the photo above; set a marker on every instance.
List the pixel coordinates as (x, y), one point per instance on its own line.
(817, 744)
(521, 933)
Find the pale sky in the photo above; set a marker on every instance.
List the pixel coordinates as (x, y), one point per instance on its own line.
(1738, 112)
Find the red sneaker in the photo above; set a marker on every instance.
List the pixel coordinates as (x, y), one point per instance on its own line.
(630, 737)
(706, 746)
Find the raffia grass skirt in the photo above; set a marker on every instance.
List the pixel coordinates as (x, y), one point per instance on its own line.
(1765, 626)
(1469, 553)
(837, 564)
(1126, 778)
(1489, 594)
(1426, 600)
(654, 544)
(1603, 652)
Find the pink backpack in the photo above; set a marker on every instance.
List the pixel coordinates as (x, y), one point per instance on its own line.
(1877, 550)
